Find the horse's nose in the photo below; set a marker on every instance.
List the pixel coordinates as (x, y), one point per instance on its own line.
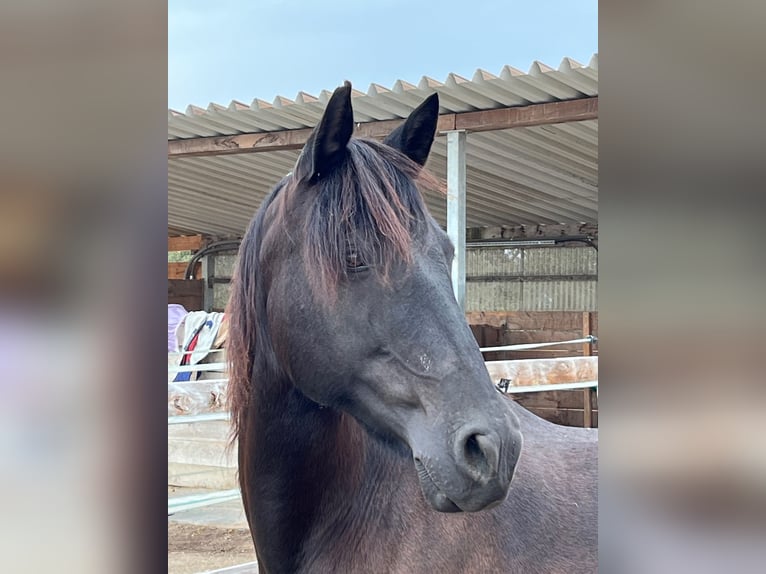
(477, 452)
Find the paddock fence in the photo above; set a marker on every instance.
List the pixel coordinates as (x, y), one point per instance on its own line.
(562, 386)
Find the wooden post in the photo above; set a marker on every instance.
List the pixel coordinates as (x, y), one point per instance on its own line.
(587, 351)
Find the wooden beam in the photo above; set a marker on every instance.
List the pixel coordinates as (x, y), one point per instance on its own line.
(182, 288)
(280, 140)
(186, 293)
(527, 372)
(186, 243)
(550, 325)
(540, 231)
(240, 143)
(549, 399)
(177, 270)
(527, 116)
(566, 417)
(479, 121)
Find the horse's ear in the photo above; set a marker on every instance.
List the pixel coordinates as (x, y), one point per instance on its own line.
(414, 137)
(326, 147)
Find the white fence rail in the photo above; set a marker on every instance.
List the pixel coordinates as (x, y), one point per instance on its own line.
(181, 503)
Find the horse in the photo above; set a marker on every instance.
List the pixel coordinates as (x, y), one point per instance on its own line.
(370, 436)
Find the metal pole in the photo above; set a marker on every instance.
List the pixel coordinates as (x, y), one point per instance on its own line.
(208, 274)
(587, 351)
(456, 209)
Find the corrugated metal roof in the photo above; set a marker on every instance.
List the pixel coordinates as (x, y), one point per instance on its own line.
(541, 174)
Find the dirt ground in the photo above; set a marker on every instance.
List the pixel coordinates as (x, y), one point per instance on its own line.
(193, 549)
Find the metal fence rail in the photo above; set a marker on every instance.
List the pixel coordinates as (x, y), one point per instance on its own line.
(181, 503)
(201, 418)
(511, 390)
(524, 346)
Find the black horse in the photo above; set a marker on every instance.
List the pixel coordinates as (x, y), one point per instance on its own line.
(371, 438)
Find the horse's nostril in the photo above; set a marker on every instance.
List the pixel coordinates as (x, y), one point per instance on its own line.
(480, 455)
(473, 452)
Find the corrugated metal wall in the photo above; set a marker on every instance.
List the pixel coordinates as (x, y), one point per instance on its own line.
(502, 279)
(224, 267)
(531, 279)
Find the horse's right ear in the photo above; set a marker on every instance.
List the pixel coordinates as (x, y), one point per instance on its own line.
(326, 146)
(414, 137)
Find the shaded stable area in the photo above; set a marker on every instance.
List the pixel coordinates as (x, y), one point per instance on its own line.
(518, 153)
(500, 274)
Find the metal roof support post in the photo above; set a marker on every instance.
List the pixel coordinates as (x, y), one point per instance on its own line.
(208, 274)
(456, 143)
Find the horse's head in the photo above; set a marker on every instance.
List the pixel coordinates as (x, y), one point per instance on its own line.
(361, 312)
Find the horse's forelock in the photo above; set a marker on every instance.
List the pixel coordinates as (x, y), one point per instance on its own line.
(372, 203)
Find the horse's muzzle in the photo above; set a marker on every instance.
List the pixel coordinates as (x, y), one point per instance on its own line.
(475, 475)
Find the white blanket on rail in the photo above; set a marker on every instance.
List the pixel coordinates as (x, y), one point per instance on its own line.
(207, 325)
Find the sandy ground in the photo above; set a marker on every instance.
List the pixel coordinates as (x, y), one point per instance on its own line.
(193, 548)
(208, 538)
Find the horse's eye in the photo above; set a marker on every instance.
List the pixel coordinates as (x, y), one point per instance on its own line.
(354, 262)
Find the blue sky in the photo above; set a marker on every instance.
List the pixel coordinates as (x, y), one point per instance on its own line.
(236, 49)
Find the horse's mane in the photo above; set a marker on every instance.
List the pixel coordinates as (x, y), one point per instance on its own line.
(370, 204)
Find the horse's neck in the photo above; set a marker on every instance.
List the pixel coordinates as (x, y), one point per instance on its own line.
(304, 470)
(321, 495)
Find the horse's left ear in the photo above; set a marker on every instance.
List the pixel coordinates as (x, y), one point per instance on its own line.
(414, 137)
(326, 147)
